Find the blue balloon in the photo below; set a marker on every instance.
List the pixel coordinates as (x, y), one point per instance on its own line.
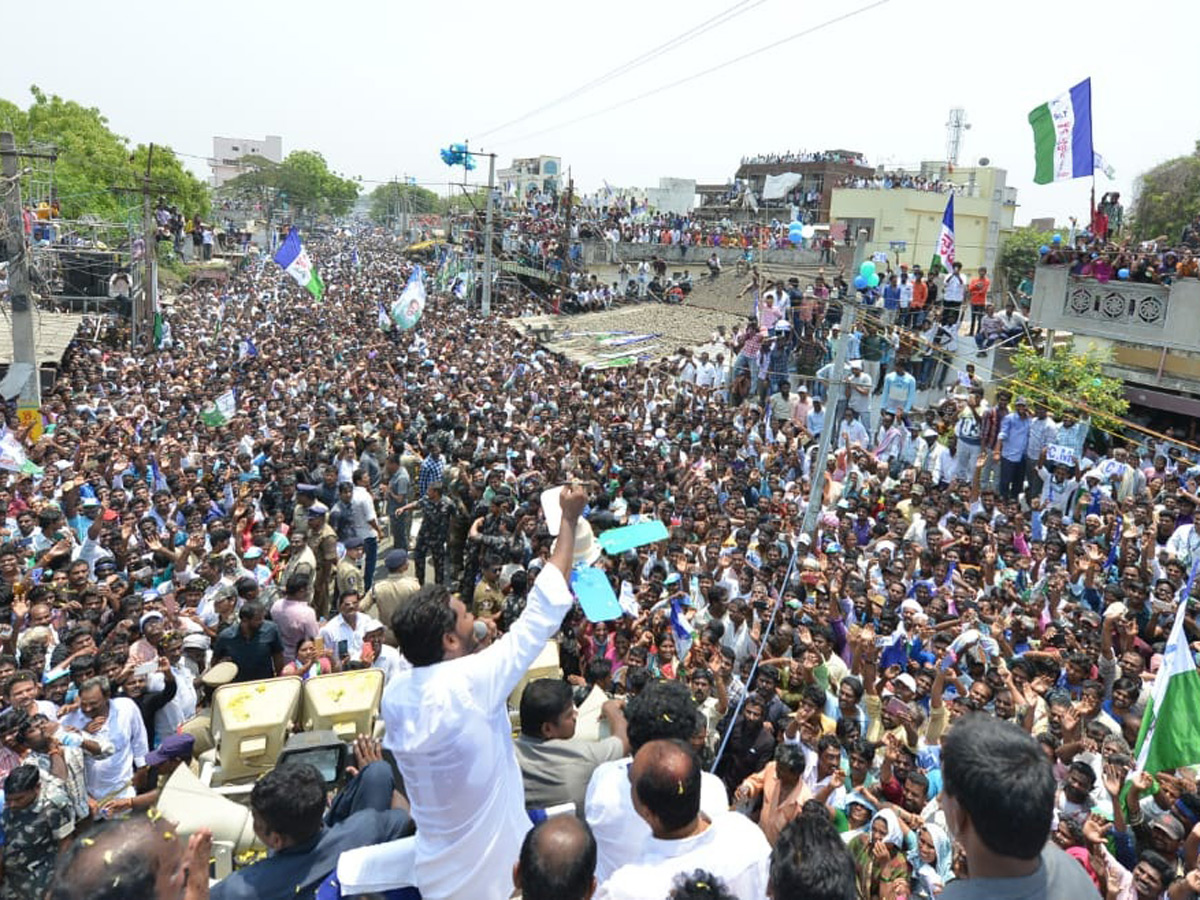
(1123, 274)
(860, 283)
(1043, 249)
(1058, 239)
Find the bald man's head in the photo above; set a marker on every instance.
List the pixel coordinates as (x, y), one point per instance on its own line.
(132, 859)
(666, 785)
(558, 861)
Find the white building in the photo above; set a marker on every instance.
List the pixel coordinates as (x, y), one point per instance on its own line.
(531, 175)
(673, 195)
(228, 152)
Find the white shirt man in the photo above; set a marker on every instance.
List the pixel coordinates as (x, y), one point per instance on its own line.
(621, 834)
(111, 777)
(730, 847)
(933, 457)
(448, 726)
(339, 629)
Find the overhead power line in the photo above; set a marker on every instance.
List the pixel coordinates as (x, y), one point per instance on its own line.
(710, 70)
(653, 53)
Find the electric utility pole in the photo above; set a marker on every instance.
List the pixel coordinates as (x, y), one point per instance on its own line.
(24, 348)
(487, 238)
(836, 382)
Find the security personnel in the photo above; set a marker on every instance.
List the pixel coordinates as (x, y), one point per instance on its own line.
(386, 595)
(348, 577)
(322, 539)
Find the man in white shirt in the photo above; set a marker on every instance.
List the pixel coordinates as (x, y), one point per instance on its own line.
(448, 727)
(665, 783)
(119, 721)
(933, 457)
(348, 626)
(664, 710)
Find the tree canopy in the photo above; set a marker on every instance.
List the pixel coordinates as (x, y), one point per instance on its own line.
(1072, 381)
(1168, 197)
(93, 160)
(387, 201)
(303, 183)
(1019, 254)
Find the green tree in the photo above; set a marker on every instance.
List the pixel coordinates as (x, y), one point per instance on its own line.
(387, 200)
(1019, 254)
(465, 203)
(1168, 197)
(93, 160)
(1072, 381)
(302, 184)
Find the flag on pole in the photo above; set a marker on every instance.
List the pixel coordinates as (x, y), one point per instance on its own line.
(944, 257)
(220, 411)
(158, 331)
(1099, 162)
(246, 348)
(293, 258)
(1170, 735)
(385, 323)
(1062, 136)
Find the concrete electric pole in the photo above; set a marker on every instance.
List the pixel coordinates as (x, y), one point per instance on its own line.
(24, 348)
(486, 308)
(838, 380)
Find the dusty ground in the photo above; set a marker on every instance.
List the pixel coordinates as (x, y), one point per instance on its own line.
(675, 327)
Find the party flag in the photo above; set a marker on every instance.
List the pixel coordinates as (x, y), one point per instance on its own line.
(945, 248)
(221, 410)
(293, 258)
(1062, 136)
(1170, 735)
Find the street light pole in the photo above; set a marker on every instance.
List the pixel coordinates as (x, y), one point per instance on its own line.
(849, 313)
(487, 238)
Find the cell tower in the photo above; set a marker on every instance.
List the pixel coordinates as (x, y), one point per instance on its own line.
(955, 126)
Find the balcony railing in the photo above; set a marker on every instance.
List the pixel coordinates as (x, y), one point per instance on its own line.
(1115, 303)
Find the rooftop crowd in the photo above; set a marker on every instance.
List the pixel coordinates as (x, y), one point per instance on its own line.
(935, 692)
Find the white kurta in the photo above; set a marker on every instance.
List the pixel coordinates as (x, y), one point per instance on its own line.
(621, 834)
(448, 726)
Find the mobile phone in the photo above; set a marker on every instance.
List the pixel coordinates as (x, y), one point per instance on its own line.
(896, 708)
(146, 669)
(343, 649)
(319, 645)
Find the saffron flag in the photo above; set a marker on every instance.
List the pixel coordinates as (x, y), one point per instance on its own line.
(293, 258)
(1170, 735)
(945, 247)
(1062, 136)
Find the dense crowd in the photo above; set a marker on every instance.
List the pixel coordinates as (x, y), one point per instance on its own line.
(935, 691)
(900, 180)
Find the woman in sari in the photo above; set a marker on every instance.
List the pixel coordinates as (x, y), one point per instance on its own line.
(932, 862)
(881, 868)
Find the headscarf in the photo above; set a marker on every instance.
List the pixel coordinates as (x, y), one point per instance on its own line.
(934, 875)
(894, 836)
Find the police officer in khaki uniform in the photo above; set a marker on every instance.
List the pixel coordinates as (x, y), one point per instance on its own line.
(386, 595)
(348, 577)
(322, 540)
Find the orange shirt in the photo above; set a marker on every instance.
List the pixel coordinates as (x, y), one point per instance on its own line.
(920, 294)
(978, 291)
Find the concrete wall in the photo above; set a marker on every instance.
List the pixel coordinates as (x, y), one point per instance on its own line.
(1147, 314)
(915, 217)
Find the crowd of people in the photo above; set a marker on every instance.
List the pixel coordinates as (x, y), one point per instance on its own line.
(900, 180)
(934, 691)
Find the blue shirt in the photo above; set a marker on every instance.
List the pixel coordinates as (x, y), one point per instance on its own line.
(298, 871)
(1014, 436)
(891, 296)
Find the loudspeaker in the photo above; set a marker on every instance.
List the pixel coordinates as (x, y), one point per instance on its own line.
(185, 800)
(346, 703)
(249, 725)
